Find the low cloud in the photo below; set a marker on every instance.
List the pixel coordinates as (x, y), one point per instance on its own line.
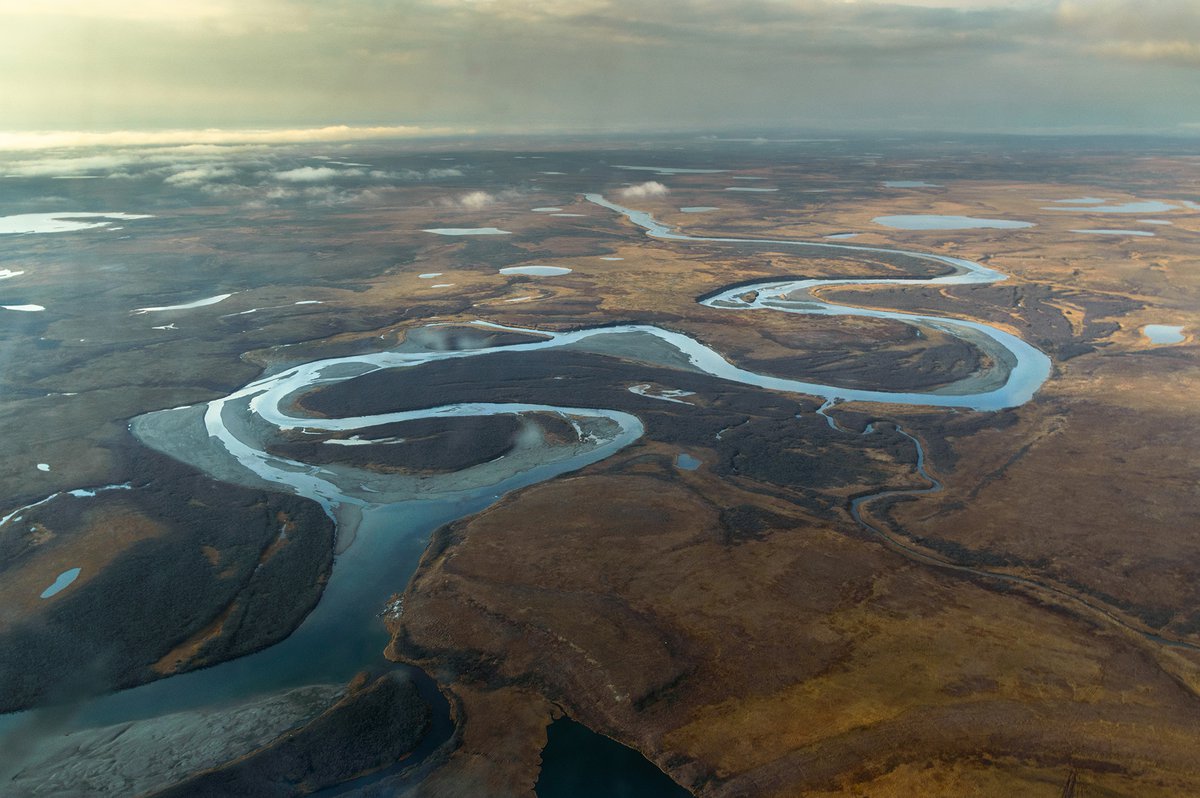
(651, 188)
(314, 174)
(200, 175)
(313, 196)
(413, 175)
(134, 162)
(416, 174)
(55, 167)
(476, 200)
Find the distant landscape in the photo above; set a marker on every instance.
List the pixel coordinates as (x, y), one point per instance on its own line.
(855, 466)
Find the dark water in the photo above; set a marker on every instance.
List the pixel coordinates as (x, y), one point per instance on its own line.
(342, 635)
(578, 763)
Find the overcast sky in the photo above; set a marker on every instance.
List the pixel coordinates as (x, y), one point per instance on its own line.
(596, 65)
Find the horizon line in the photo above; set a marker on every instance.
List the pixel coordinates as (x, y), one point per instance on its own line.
(46, 139)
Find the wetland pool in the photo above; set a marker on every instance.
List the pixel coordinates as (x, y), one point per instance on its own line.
(931, 221)
(1164, 333)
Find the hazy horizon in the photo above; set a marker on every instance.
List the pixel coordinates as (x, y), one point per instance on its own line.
(364, 69)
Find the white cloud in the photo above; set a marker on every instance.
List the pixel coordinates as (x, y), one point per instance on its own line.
(176, 165)
(651, 188)
(316, 174)
(200, 174)
(476, 200)
(313, 196)
(313, 174)
(52, 167)
(414, 174)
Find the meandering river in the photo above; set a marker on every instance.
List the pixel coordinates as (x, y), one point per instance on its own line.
(385, 519)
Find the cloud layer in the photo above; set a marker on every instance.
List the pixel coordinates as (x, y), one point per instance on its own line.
(50, 139)
(375, 70)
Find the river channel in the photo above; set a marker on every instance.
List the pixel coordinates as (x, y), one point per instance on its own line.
(385, 519)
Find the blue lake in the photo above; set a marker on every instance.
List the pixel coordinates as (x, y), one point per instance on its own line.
(1163, 333)
(536, 271)
(930, 221)
(1104, 232)
(64, 579)
(1145, 206)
